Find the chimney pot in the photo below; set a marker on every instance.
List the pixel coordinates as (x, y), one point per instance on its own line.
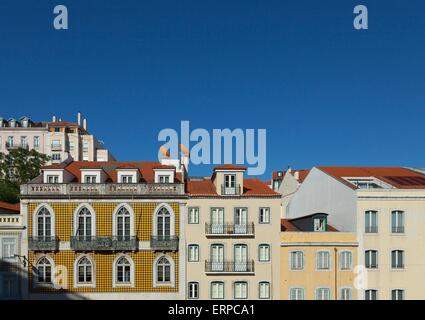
(85, 124)
(79, 118)
(54, 118)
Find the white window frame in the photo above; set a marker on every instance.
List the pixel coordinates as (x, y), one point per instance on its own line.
(395, 230)
(194, 247)
(91, 284)
(268, 252)
(191, 289)
(115, 219)
(220, 284)
(193, 215)
(319, 266)
(261, 215)
(115, 283)
(52, 220)
(297, 292)
(243, 284)
(172, 282)
(342, 295)
(342, 262)
(172, 219)
(320, 293)
(293, 262)
(35, 282)
(268, 287)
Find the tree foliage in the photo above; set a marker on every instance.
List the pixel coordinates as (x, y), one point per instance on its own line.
(17, 167)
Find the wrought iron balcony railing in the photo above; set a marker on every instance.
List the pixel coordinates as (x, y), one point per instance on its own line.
(230, 191)
(229, 266)
(229, 229)
(165, 243)
(43, 243)
(104, 243)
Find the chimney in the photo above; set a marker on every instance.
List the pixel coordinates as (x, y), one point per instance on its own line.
(79, 118)
(297, 175)
(85, 124)
(54, 119)
(60, 119)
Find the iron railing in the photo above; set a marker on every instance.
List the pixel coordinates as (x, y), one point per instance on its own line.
(104, 243)
(229, 229)
(230, 191)
(229, 266)
(165, 243)
(43, 243)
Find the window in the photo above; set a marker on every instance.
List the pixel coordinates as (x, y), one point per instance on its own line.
(163, 224)
(123, 271)
(217, 290)
(84, 226)
(56, 157)
(296, 294)
(264, 290)
(264, 253)
(8, 249)
(229, 184)
(371, 294)
(217, 221)
(163, 267)
(44, 223)
(397, 222)
(193, 255)
(52, 179)
(241, 257)
(164, 179)
(57, 130)
(126, 179)
(346, 294)
(24, 142)
(36, 142)
(193, 215)
(323, 260)
(56, 144)
(371, 259)
(123, 221)
(297, 260)
(323, 294)
(44, 271)
(193, 290)
(217, 257)
(90, 179)
(319, 224)
(264, 215)
(10, 141)
(85, 271)
(371, 222)
(397, 259)
(397, 294)
(346, 258)
(241, 290)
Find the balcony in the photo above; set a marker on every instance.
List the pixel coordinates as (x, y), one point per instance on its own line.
(43, 243)
(12, 146)
(164, 243)
(106, 243)
(230, 191)
(229, 267)
(398, 229)
(102, 189)
(229, 230)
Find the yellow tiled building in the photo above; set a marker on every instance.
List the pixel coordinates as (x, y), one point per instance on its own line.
(317, 261)
(105, 230)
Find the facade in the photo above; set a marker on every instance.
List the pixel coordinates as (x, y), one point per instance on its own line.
(62, 141)
(317, 261)
(106, 230)
(232, 237)
(384, 206)
(12, 262)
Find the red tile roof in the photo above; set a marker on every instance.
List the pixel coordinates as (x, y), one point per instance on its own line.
(253, 187)
(145, 169)
(14, 208)
(230, 167)
(398, 177)
(163, 166)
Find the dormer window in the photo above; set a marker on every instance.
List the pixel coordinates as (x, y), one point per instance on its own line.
(319, 224)
(90, 179)
(164, 179)
(164, 174)
(52, 179)
(126, 179)
(230, 184)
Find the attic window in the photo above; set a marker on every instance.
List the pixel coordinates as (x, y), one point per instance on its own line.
(280, 173)
(365, 183)
(319, 224)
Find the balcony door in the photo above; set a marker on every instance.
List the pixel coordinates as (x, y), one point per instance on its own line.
(217, 257)
(44, 224)
(123, 224)
(163, 223)
(230, 184)
(84, 224)
(241, 257)
(241, 220)
(217, 221)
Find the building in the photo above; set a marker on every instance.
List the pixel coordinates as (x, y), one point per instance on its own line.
(12, 263)
(317, 261)
(385, 207)
(106, 230)
(232, 237)
(62, 141)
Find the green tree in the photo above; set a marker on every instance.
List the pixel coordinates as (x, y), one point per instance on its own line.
(17, 167)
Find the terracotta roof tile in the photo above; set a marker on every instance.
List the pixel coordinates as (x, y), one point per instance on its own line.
(15, 208)
(230, 167)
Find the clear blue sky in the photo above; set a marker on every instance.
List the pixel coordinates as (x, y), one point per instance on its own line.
(326, 93)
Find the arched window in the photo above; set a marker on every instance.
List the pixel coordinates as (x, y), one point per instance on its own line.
(163, 224)
(44, 223)
(163, 267)
(84, 227)
(123, 223)
(85, 271)
(44, 271)
(123, 271)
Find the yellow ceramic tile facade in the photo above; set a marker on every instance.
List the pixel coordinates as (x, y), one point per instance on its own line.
(143, 214)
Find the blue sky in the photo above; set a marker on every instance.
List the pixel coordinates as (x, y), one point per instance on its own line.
(326, 93)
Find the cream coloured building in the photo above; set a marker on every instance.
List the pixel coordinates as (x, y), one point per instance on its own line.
(385, 207)
(232, 237)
